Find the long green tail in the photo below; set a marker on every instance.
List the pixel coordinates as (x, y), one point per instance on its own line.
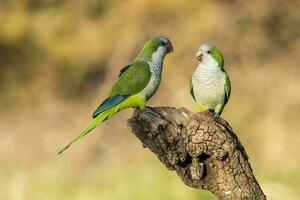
(93, 124)
(132, 101)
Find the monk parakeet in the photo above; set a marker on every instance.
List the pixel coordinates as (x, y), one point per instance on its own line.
(210, 84)
(137, 82)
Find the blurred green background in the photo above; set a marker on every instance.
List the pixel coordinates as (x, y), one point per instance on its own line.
(58, 58)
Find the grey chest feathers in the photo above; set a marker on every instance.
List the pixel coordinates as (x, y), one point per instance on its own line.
(154, 81)
(209, 85)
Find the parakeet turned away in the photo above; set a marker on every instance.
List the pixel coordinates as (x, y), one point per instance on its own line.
(210, 84)
(136, 84)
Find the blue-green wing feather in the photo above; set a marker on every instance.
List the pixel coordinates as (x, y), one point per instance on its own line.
(109, 103)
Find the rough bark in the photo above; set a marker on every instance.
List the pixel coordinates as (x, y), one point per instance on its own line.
(203, 150)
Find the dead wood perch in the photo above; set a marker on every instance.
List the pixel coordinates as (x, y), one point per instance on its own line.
(204, 151)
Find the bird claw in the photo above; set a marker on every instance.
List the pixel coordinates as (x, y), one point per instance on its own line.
(149, 110)
(216, 115)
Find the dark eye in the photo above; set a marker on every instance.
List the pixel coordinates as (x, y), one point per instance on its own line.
(208, 52)
(164, 43)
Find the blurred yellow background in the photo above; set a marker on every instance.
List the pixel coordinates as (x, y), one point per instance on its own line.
(58, 58)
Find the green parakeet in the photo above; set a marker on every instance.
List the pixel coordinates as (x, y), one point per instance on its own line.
(137, 82)
(210, 84)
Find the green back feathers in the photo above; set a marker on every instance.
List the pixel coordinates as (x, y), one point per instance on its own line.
(217, 55)
(132, 80)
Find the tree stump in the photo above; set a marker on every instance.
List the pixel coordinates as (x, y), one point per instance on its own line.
(202, 149)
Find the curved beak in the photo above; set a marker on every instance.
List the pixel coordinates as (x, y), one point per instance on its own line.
(169, 48)
(199, 55)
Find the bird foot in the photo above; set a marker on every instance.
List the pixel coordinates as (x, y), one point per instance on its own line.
(150, 110)
(216, 115)
(224, 123)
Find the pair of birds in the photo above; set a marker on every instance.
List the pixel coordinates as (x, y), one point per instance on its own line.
(138, 81)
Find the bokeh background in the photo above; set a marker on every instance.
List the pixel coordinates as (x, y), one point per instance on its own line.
(58, 58)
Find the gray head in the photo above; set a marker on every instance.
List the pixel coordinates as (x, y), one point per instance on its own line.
(208, 54)
(158, 45)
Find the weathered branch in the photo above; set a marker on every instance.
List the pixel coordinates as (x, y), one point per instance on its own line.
(203, 151)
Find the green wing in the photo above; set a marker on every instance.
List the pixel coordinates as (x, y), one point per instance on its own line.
(123, 70)
(227, 88)
(132, 79)
(192, 90)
